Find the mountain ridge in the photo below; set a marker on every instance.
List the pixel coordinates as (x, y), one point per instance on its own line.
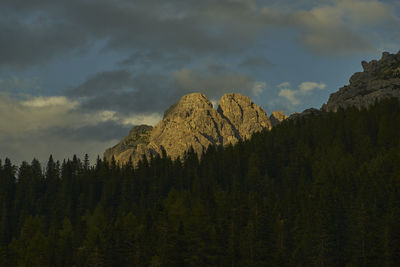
(380, 79)
(193, 122)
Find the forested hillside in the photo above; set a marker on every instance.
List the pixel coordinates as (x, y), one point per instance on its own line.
(323, 190)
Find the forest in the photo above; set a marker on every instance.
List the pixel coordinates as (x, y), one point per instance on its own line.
(322, 190)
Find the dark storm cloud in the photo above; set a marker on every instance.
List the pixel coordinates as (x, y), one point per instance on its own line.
(103, 82)
(33, 32)
(147, 59)
(217, 68)
(213, 84)
(255, 62)
(23, 43)
(142, 102)
(104, 131)
(197, 27)
(127, 93)
(222, 27)
(124, 92)
(337, 42)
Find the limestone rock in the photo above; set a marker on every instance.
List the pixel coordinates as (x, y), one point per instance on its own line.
(277, 117)
(243, 114)
(306, 113)
(137, 138)
(193, 122)
(379, 80)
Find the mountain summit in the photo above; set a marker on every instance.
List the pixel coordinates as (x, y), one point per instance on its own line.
(193, 122)
(380, 79)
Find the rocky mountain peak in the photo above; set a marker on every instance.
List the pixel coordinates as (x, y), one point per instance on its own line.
(188, 104)
(245, 116)
(137, 139)
(380, 79)
(277, 117)
(377, 66)
(193, 122)
(140, 131)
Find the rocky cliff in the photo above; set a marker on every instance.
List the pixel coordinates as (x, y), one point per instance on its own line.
(193, 122)
(379, 80)
(134, 145)
(244, 116)
(277, 117)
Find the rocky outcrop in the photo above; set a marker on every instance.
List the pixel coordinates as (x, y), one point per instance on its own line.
(379, 80)
(306, 113)
(277, 117)
(134, 145)
(245, 116)
(193, 122)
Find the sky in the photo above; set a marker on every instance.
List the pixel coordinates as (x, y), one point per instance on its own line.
(77, 75)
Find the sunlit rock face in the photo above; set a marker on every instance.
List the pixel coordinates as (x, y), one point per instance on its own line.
(134, 145)
(245, 116)
(380, 79)
(193, 122)
(277, 117)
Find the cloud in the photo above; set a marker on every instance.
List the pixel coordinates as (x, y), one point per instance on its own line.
(174, 33)
(294, 96)
(215, 68)
(340, 27)
(21, 116)
(23, 43)
(55, 29)
(100, 132)
(255, 62)
(284, 85)
(146, 59)
(12, 83)
(102, 82)
(370, 12)
(130, 119)
(309, 86)
(335, 42)
(214, 85)
(34, 126)
(258, 88)
(125, 93)
(53, 101)
(138, 119)
(288, 94)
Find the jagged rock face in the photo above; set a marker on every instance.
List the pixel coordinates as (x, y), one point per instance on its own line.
(245, 116)
(379, 80)
(135, 143)
(193, 122)
(277, 117)
(306, 113)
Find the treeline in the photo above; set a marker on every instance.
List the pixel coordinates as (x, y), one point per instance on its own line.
(319, 191)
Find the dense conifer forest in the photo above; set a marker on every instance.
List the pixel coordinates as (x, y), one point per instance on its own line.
(323, 190)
